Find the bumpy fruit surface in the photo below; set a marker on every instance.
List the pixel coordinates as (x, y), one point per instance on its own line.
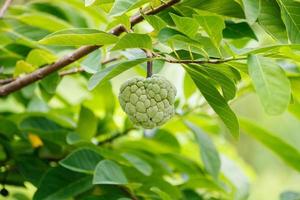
(148, 102)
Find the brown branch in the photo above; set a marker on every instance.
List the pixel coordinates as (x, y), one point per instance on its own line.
(62, 73)
(79, 53)
(5, 7)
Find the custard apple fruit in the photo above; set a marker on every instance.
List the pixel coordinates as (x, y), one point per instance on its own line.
(148, 102)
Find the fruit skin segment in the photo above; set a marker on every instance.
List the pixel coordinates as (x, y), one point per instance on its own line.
(148, 102)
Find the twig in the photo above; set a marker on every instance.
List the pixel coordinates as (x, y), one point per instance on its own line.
(5, 7)
(5, 81)
(149, 65)
(81, 52)
(216, 61)
(81, 69)
(128, 192)
(149, 54)
(116, 136)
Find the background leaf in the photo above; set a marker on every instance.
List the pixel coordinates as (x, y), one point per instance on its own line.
(271, 84)
(138, 163)
(87, 123)
(60, 183)
(290, 155)
(209, 153)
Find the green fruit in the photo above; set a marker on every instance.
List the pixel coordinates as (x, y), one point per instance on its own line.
(148, 102)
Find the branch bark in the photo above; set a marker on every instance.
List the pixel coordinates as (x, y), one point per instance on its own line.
(62, 73)
(5, 7)
(39, 74)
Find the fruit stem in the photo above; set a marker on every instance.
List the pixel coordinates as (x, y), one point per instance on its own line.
(149, 64)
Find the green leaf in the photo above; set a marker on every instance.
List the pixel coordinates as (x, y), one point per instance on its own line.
(227, 85)
(290, 155)
(97, 2)
(23, 67)
(251, 9)
(134, 40)
(270, 19)
(181, 163)
(109, 172)
(290, 14)
(31, 168)
(60, 184)
(213, 26)
(87, 124)
(186, 25)
(82, 160)
(209, 153)
(3, 155)
(228, 8)
(50, 83)
(189, 86)
(166, 139)
(238, 30)
(39, 57)
(163, 195)
(201, 182)
(156, 22)
(166, 33)
(44, 21)
(138, 163)
(79, 37)
(108, 73)
(271, 84)
(39, 124)
(45, 128)
(122, 6)
(92, 62)
(7, 127)
(215, 100)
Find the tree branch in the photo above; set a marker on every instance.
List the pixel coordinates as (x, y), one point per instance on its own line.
(62, 73)
(115, 136)
(5, 7)
(79, 53)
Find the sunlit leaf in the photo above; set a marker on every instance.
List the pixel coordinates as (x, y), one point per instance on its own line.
(271, 84)
(134, 40)
(75, 37)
